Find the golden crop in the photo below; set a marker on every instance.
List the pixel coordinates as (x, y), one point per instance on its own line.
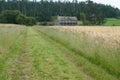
(109, 35)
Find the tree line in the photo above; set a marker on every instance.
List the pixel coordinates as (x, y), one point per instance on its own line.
(44, 10)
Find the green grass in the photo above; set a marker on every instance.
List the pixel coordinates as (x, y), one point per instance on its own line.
(31, 56)
(80, 23)
(10, 44)
(48, 61)
(112, 22)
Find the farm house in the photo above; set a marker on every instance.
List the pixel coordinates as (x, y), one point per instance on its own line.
(65, 20)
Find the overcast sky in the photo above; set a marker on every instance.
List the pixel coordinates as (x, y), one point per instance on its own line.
(114, 3)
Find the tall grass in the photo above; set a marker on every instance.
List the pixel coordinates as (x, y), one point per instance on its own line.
(11, 37)
(8, 34)
(95, 49)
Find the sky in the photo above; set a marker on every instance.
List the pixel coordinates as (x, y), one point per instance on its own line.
(114, 3)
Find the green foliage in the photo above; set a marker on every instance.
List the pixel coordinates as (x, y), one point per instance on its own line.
(97, 20)
(15, 17)
(31, 20)
(9, 16)
(83, 18)
(22, 19)
(92, 19)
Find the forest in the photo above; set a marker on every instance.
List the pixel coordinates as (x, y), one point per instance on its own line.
(45, 10)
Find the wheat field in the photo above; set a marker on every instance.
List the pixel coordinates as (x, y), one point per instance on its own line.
(109, 35)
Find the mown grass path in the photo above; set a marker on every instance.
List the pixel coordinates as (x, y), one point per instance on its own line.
(21, 64)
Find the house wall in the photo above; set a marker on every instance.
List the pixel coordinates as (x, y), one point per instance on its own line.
(57, 22)
(64, 21)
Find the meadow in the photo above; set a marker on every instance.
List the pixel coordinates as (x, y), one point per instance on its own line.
(108, 22)
(59, 53)
(112, 22)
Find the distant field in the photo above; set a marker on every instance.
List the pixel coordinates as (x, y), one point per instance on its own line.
(112, 22)
(109, 22)
(80, 23)
(59, 53)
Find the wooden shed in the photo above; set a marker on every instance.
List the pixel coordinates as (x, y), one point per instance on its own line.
(66, 21)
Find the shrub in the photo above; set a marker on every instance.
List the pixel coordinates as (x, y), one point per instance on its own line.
(22, 19)
(15, 17)
(9, 16)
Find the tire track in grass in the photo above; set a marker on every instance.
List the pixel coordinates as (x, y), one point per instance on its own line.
(20, 69)
(70, 59)
(21, 64)
(48, 63)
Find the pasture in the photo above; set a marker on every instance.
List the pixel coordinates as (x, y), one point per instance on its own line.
(108, 22)
(112, 22)
(59, 53)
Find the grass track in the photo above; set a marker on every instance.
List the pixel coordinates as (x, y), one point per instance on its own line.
(49, 62)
